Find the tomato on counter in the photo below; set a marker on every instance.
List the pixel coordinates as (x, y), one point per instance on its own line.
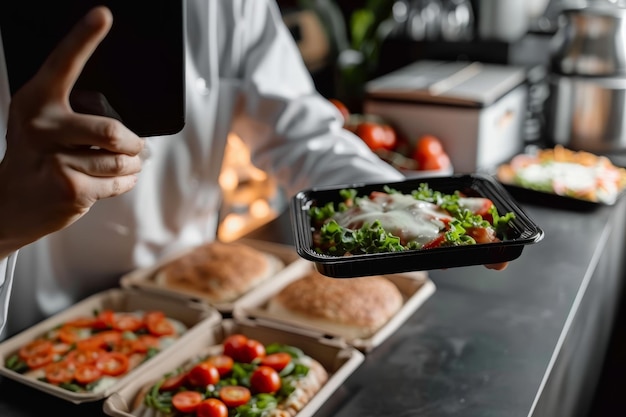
(429, 153)
(377, 135)
(343, 109)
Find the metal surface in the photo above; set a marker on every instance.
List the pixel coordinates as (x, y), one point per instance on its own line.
(591, 40)
(588, 113)
(510, 343)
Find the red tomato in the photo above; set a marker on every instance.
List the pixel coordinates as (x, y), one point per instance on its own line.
(174, 382)
(127, 322)
(203, 374)
(104, 320)
(343, 109)
(68, 334)
(161, 327)
(109, 338)
(233, 345)
(151, 316)
(223, 363)
(277, 361)
(85, 374)
(187, 401)
(265, 380)
(113, 363)
(36, 347)
(82, 322)
(59, 372)
(376, 135)
(435, 243)
(84, 356)
(234, 396)
(211, 407)
(40, 359)
(145, 342)
(253, 349)
(482, 234)
(429, 154)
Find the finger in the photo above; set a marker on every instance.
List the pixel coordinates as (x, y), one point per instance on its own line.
(80, 130)
(64, 65)
(102, 163)
(105, 187)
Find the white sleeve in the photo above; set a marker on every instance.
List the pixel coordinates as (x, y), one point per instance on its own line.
(7, 267)
(293, 132)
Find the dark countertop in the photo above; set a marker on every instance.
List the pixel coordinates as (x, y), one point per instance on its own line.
(525, 341)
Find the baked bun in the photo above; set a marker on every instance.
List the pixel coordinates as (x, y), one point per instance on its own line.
(219, 271)
(351, 307)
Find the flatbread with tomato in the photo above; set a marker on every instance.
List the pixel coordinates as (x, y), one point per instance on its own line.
(91, 353)
(240, 377)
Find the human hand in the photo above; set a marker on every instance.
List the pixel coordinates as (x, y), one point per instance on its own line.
(58, 163)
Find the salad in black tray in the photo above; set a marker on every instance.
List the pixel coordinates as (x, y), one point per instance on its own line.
(386, 228)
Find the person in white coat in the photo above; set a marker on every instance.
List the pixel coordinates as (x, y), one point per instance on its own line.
(73, 219)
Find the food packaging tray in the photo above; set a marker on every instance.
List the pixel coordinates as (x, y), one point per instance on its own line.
(198, 318)
(415, 288)
(339, 360)
(143, 278)
(523, 230)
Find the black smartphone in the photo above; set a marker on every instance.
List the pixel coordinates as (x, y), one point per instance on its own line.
(139, 68)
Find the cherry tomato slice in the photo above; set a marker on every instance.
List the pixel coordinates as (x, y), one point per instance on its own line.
(153, 316)
(265, 380)
(435, 243)
(187, 401)
(212, 407)
(161, 327)
(145, 342)
(253, 349)
(234, 396)
(40, 359)
(203, 374)
(81, 322)
(36, 347)
(277, 361)
(112, 363)
(223, 363)
(85, 374)
(233, 345)
(104, 320)
(59, 372)
(84, 356)
(128, 322)
(174, 382)
(69, 334)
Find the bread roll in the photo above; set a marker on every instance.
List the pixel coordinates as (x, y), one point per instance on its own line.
(351, 307)
(218, 271)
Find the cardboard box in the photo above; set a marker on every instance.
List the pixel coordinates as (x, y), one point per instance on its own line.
(198, 319)
(339, 360)
(143, 278)
(475, 109)
(415, 288)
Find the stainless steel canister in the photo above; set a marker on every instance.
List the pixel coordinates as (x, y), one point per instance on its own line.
(588, 79)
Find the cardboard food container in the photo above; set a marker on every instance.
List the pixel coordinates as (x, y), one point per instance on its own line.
(197, 317)
(339, 360)
(415, 288)
(144, 278)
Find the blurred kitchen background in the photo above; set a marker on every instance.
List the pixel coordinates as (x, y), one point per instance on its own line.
(565, 60)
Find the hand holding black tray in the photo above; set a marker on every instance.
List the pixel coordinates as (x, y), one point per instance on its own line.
(523, 230)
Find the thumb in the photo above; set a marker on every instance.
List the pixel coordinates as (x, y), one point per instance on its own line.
(65, 63)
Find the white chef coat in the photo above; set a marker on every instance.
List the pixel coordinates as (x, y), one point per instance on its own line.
(243, 74)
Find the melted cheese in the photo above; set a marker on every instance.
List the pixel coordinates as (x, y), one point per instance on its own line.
(399, 214)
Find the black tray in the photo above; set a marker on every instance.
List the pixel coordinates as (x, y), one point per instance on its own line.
(523, 230)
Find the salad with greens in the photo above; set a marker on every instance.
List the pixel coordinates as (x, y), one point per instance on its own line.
(390, 221)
